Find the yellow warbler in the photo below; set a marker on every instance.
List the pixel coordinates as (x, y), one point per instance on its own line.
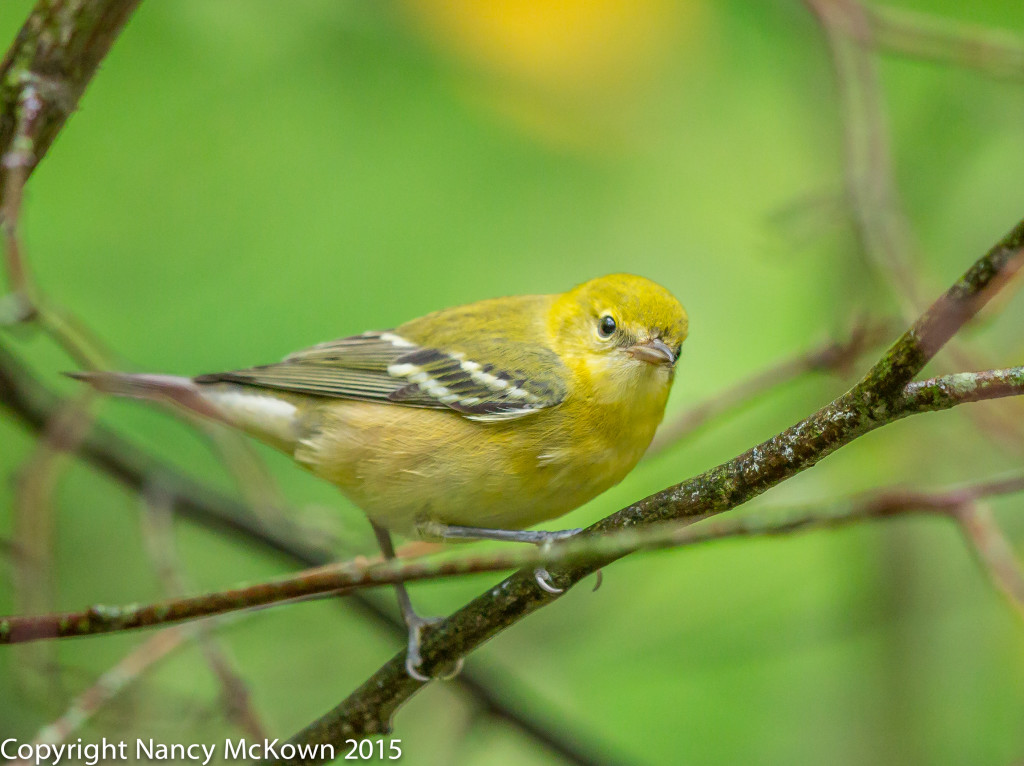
(474, 421)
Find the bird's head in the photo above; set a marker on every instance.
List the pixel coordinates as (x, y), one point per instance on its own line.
(624, 328)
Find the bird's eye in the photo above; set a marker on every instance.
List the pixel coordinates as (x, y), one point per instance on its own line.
(606, 326)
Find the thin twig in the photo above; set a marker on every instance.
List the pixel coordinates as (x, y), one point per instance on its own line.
(994, 552)
(885, 235)
(994, 52)
(34, 524)
(27, 400)
(939, 393)
(159, 537)
(106, 687)
(836, 357)
(885, 232)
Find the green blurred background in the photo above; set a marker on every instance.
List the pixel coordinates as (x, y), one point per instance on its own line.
(247, 178)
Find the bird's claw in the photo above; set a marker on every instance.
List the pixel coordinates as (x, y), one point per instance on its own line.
(410, 667)
(413, 657)
(453, 672)
(540, 574)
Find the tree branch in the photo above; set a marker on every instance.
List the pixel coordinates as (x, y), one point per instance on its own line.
(46, 70)
(994, 552)
(959, 388)
(851, 28)
(868, 405)
(31, 403)
(42, 77)
(110, 684)
(834, 356)
(921, 36)
(340, 579)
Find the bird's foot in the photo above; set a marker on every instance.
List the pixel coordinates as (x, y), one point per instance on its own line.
(543, 578)
(544, 541)
(413, 656)
(541, 538)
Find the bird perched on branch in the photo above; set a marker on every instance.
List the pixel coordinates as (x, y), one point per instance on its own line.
(471, 422)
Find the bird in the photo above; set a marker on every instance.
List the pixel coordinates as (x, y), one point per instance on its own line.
(472, 422)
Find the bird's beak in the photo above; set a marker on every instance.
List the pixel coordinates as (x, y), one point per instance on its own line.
(653, 351)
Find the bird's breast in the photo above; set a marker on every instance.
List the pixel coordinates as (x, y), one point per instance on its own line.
(402, 465)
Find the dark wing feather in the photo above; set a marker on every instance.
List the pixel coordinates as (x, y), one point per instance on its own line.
(385, 367)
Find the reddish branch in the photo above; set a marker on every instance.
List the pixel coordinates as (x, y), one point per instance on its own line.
(39, 86)
(870, 404)
(851, 29)
(340, 578)
(42, 78)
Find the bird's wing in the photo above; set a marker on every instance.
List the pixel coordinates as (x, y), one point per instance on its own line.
(386, 367)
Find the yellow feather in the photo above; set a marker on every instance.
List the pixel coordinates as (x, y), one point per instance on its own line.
(404, 465)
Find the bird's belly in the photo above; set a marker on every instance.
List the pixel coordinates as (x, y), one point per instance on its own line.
(402, 466)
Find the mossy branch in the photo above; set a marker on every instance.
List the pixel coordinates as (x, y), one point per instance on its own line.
(885, 394)
(877, 399)
(46, 70)
(27, 400)
(343, 578)
(41, 81)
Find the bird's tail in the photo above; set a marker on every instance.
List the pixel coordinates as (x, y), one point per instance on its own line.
(170, 388)
(269, 416)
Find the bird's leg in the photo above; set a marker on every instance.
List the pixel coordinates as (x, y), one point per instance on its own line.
(541, 538)
(413, 622)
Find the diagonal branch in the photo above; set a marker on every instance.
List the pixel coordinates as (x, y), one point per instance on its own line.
(30, 402)
(994, 552)
(835, 356)
(850, 29)
(158, 536)
(45, 72)
(42, 79)
(921, 36)
(868, 405)
(927, 396)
